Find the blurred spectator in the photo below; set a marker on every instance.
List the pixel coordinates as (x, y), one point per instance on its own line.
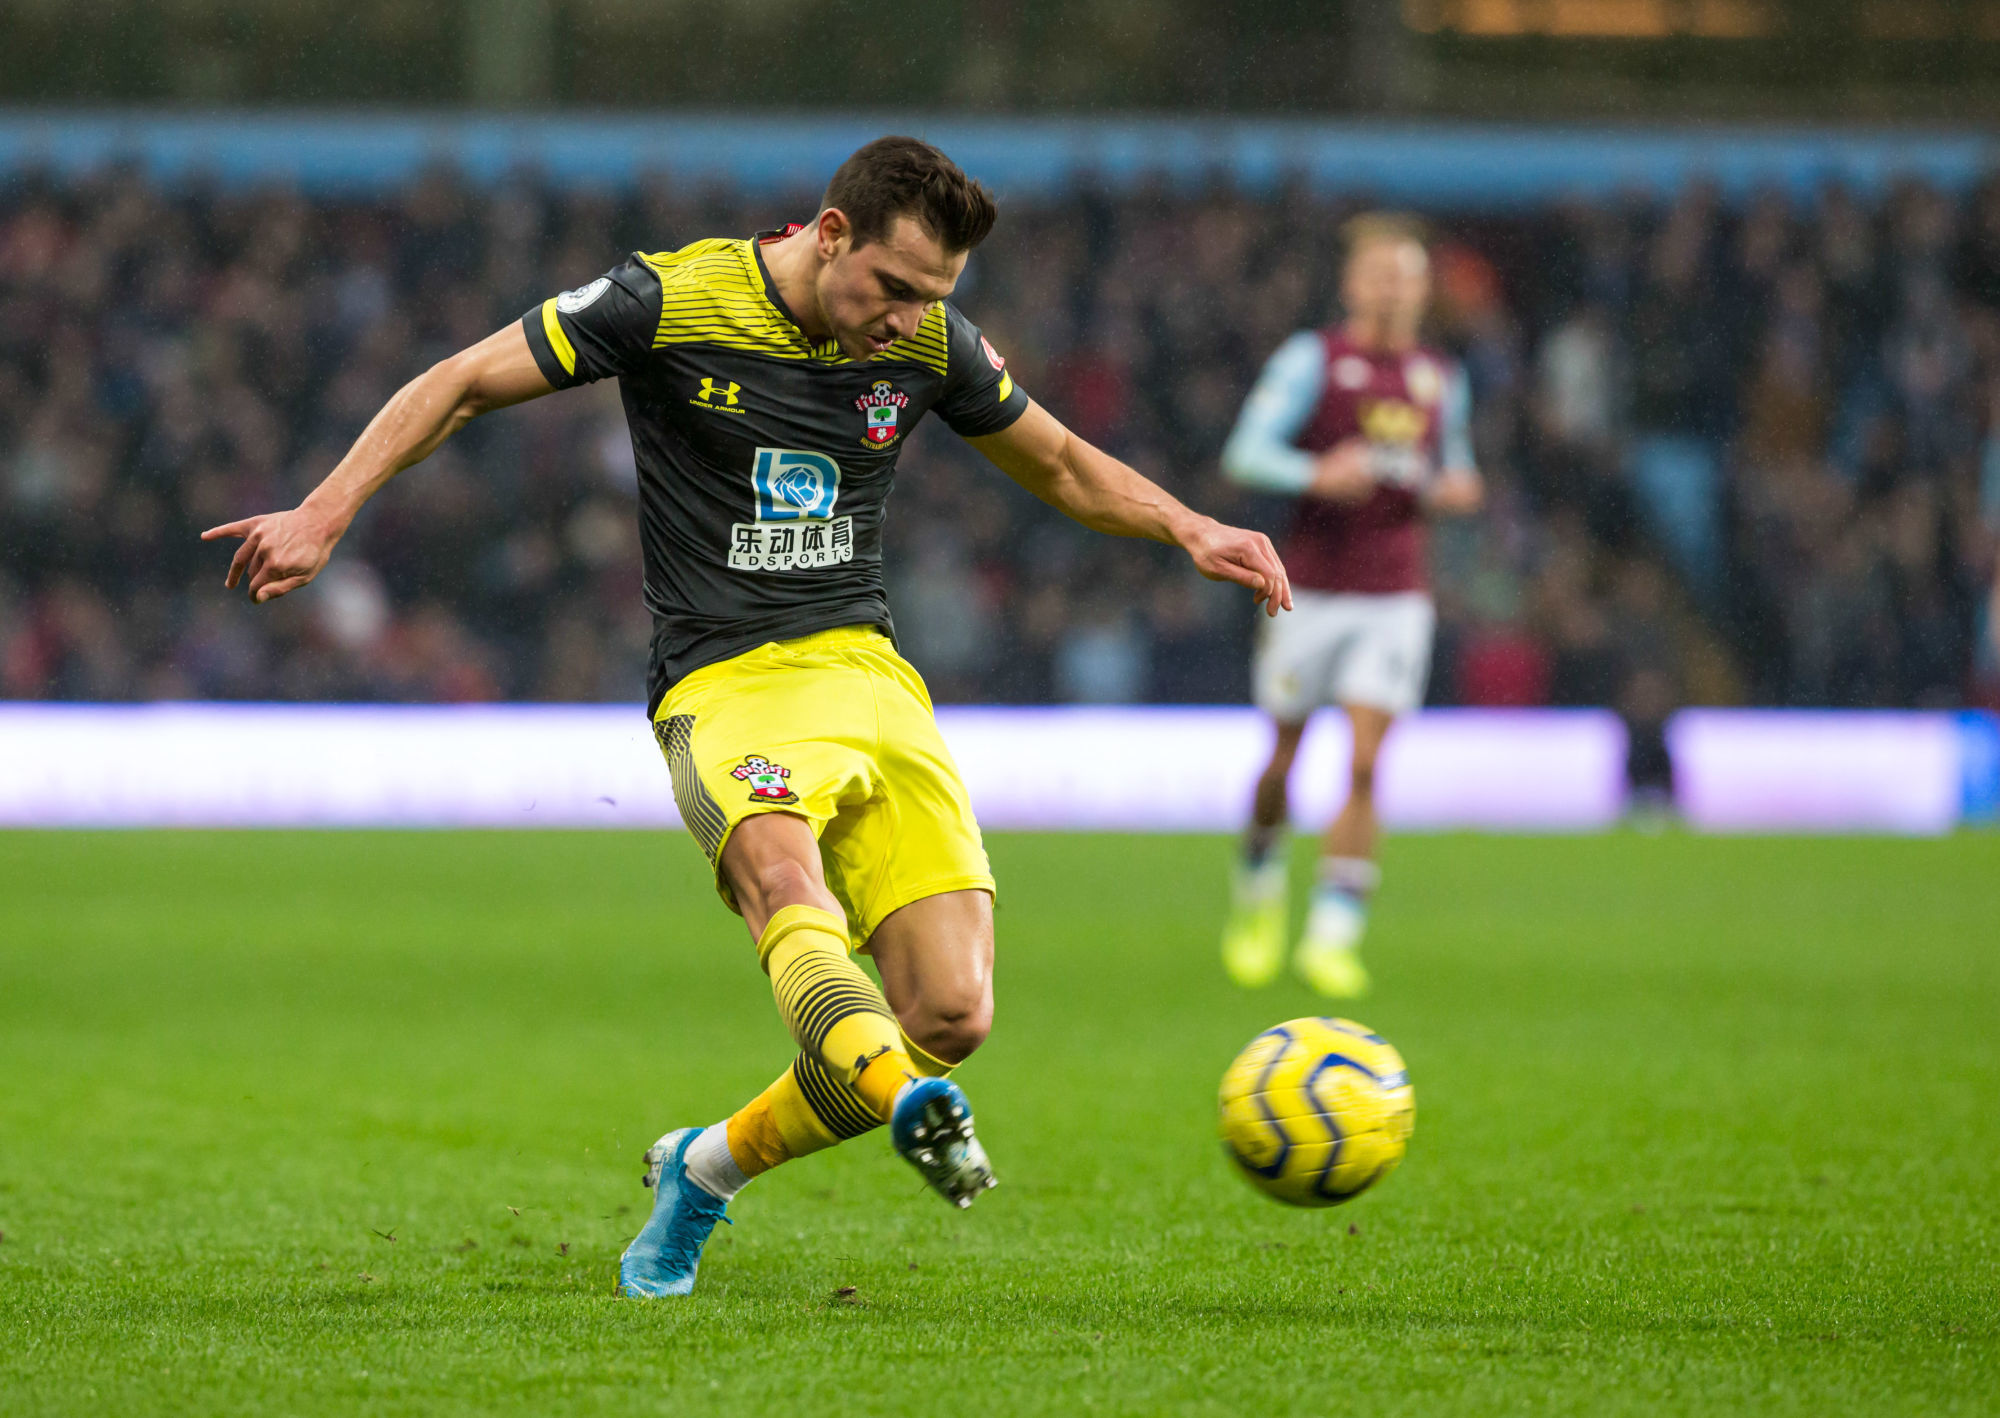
(1730, 450)
(1680, 406)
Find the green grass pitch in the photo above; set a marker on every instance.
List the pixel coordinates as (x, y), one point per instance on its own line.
(351, 1124)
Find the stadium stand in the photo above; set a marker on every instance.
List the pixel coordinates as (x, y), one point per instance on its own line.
(1739, 452)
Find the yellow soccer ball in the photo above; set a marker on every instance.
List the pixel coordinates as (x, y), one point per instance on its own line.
(1316, 1111)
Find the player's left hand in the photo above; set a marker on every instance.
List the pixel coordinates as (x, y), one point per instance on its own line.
(1455, 494)
(1224, 553)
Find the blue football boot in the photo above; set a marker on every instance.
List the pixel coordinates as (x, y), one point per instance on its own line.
(664, 1256)
(931, 1126)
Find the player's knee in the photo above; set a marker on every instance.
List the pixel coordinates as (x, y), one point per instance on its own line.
(953, 1020)
(953, 1035)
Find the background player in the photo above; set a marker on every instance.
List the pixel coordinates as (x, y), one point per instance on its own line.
(1370, 430)
(768, 385)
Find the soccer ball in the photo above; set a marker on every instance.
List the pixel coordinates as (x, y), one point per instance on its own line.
(1316, 1111)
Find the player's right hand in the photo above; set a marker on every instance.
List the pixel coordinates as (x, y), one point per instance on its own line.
(281, 551)
(1225, 553)
(1344, 473)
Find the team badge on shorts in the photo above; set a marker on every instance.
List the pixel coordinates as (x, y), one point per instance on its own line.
(880, 404)
(766, 780)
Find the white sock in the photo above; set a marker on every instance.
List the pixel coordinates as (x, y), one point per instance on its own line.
(1263, 882)
(1355, 877)
(710, 1165)
(1336, 920)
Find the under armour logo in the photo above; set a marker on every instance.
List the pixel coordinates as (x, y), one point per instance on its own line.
(712, 393)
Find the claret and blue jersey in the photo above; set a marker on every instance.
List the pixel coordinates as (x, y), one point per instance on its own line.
(764, 458)
(1320, 389)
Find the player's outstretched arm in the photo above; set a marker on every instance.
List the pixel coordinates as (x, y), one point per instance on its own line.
(282, 551)
(1105, 495)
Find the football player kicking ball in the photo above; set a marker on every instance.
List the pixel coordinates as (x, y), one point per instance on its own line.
(769, 383)
(1369, 429)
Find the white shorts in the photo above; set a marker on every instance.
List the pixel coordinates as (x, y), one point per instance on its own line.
(1334, 648)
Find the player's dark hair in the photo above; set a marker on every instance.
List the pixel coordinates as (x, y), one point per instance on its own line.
(907, 177)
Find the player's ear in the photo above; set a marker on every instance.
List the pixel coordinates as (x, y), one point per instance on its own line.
(833, 230)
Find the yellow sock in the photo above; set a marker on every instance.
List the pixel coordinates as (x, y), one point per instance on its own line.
(784, 1121)
(834, 1011)
(778, 1125)
(927, 1064)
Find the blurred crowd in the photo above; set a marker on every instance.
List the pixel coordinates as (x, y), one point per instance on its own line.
(1736, 453)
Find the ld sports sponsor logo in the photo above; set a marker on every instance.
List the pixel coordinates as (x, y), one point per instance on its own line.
(794, 492)
(880, 405)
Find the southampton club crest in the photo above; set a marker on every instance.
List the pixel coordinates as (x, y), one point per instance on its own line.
(880, 405)
(766, 780)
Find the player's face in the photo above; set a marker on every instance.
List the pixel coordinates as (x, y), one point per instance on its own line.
(877, 294)
(1388, 283)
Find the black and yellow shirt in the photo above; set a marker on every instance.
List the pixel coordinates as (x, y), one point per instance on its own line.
(765, 460)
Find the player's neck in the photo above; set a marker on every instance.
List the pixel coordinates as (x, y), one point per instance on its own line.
(793, 262)
(1378, 335)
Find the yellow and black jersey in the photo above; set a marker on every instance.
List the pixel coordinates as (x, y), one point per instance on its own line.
(764, 459)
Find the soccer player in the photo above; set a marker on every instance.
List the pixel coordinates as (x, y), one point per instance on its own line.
(1367, 428)
(769, 384)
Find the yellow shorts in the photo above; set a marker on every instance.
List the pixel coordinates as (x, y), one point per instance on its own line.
(837, 728)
